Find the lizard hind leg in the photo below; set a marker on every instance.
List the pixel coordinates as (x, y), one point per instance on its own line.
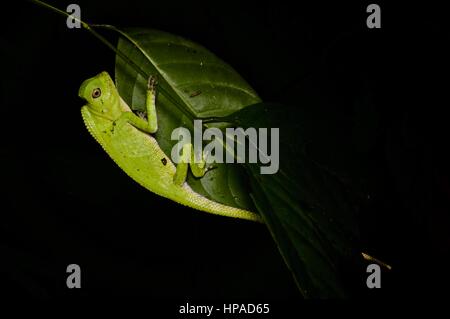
(198, 169)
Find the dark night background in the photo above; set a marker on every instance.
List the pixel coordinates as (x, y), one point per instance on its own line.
(66, 202)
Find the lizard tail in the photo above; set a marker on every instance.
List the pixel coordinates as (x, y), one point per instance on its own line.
(202, 203)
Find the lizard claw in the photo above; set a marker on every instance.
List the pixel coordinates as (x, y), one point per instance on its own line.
(142, 115)
(152, 82)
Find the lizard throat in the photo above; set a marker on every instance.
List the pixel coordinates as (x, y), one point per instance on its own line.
(85, 114)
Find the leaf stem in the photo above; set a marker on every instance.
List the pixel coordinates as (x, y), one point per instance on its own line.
(90, 28)
(373, 259)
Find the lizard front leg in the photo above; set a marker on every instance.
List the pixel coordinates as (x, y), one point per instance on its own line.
(151, 124)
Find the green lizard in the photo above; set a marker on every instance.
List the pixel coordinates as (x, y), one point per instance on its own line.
(127, 139)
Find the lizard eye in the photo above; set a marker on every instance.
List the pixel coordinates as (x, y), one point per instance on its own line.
(96, 93)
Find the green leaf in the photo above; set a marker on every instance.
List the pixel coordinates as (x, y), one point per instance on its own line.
(305, 206)
(192, 82)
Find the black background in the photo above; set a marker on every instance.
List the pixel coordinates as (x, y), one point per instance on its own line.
(66, 201)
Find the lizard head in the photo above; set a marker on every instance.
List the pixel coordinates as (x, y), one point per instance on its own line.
(101, 96)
